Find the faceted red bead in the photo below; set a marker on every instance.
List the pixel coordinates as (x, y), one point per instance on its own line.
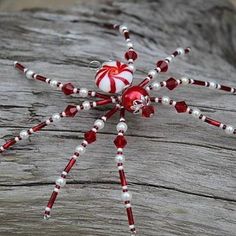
(171, 83)
(120, 141)
(131, 54)
(90, 136)
(181, 107)
(163, 65)
(71, 111)
(68, 88)
(147, 111)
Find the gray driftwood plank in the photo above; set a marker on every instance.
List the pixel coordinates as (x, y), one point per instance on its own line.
(181, 172)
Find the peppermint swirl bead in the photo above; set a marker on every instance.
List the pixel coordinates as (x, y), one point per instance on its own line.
(113, 77)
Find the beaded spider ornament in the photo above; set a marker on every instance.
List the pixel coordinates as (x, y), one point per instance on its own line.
(115, 79)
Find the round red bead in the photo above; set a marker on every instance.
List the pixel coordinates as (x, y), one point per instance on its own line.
(134, 98)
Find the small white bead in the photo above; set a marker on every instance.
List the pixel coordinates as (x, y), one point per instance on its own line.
(16, 139)
(99, 123)
(126, 196)
(129, 45)
(196, 113)
(75, 90)
(61, 182)
(131, 67)
(93, 93)
(47, 209)
(60, 85)
(119, 158)
(121, 126)
(56, 117)
(80, 149)
(78, 107)
(48, 122)
(229, 129)
(83, 92)
(122, 28)
(156, 86)
(185, 81)
(153, 73)
(165, 100)
(212, 85)
(29, 74)
(180, 51)
(53, 83)
(86, 105)
(24, 134)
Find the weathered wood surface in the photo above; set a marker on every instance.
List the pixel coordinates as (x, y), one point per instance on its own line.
(181, 172)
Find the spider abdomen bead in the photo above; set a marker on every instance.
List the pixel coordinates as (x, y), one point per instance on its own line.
(113, 77)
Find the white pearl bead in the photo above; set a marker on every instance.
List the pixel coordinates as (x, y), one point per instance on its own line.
(156, 86)
(185, 81)
(131, 67)
(61, 182)
(196, 113)
(126, 196)
(122, 28)
(80, 149)
(24, 134)
(165, 100)
(83, 92)
(29, 74)
(169, 59)
(53, 83)
(56, 117)
(212, 85)
(121, 126)
(153, 73)
(180, 51)
(99, 123)
(130, 45)
(86, 105)
(119, 158)
(229, 129)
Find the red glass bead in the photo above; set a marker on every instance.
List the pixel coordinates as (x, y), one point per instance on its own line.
(171, 83)
(147, 111)
(68, 88)
(39, 126)
(163, 65)
(131, 54)
(120, 141)
(181, 107)
(9, 143)
(90, 136)
(132, 94)
(71, 111)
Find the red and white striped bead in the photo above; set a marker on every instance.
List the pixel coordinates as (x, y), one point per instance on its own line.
(113, 77)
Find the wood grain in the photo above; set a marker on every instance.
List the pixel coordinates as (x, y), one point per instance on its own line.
(181, 172)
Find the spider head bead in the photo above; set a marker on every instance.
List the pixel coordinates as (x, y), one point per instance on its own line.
(136, 99)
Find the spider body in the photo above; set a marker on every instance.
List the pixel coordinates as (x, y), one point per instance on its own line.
(116, 78)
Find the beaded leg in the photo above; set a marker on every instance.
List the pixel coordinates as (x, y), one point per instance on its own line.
(163, 65)
(67, 88)
(173, 83)
(182, 107)
(70, 111)
(89, 137)
(120, 143)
